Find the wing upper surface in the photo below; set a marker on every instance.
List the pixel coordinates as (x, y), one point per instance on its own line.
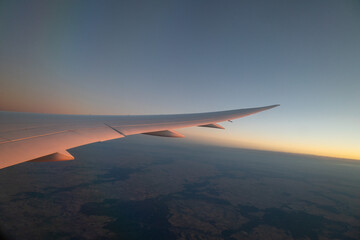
(27, 136)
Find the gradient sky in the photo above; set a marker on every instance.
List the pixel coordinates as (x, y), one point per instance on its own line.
(151, 57)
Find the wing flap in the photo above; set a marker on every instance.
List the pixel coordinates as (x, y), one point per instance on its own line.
(212, 125)
(58, 156)
(166, 133)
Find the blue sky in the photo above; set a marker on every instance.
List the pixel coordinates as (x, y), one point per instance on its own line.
(148, 57)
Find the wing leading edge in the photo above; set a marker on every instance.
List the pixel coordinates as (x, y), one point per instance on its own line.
(43, 137)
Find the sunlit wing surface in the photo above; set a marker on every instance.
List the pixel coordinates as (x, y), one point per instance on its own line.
(44, 137)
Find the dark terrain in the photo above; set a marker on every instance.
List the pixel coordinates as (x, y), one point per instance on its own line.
(148, 188)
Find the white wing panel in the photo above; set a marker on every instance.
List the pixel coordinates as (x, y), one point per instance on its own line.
(14, 152)
(26, 136)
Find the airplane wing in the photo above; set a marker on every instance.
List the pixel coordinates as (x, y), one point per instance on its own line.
(46, 137)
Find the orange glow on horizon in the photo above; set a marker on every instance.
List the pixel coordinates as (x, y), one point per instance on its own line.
(256, 143)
